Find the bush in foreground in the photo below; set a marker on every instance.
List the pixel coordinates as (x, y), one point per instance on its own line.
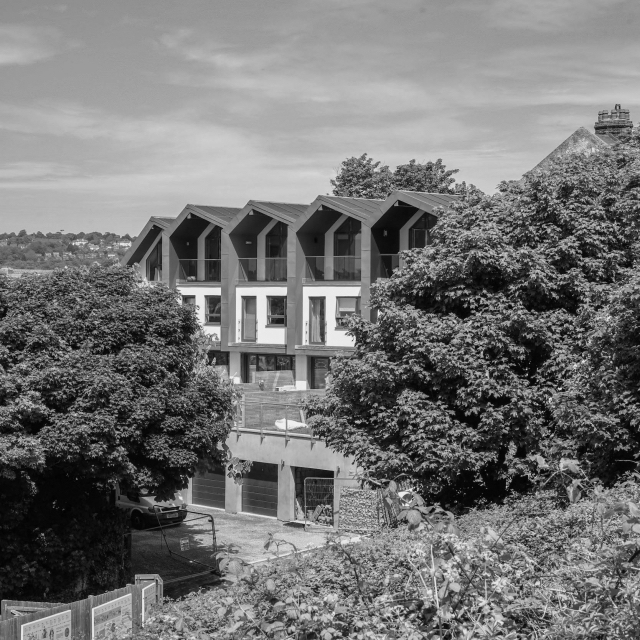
(547, 570)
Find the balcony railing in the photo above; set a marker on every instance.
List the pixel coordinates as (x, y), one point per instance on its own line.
(386, 265)
(199, 271)
(344, 268)
(262, 269)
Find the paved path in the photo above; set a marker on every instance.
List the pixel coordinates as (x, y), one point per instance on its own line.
(191, 545)
(250, 533)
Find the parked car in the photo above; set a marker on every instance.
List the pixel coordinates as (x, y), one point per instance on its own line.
(145, 510)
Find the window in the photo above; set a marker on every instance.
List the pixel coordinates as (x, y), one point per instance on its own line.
(316, 321)
(213, 309)
(154, 263)
(277, 310)
(220, 360)
(319, 372)
(420, 233)
(188, 301)
(346, 307)
(258, 367)
(249, 333)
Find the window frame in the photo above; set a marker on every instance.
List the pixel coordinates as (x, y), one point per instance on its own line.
(185, 303)
(207, 314)
(271, 315)
(344, 318)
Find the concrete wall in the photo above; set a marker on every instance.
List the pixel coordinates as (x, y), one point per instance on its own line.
(296, 451)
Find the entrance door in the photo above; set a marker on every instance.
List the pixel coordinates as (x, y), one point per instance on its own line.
(249, 319)
(260, 490)
(208, 489)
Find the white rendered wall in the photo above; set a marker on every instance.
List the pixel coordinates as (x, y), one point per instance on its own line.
(266, 335)
(200, 291)
(335, 337)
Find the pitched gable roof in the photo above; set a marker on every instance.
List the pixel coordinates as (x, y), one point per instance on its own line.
(580, 141)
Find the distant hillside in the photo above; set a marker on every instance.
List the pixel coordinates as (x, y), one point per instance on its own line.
(39, 250)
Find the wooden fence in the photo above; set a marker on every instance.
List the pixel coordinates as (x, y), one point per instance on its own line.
(116, 613)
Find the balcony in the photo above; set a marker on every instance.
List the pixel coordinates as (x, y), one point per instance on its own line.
(262, 270)
(346, 268)
(199, 271)
(386, 265)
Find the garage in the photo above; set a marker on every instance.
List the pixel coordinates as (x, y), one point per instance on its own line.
(260, 490)
(208, 489)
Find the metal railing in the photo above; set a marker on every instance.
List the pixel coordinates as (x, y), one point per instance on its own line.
(200, 271)
(344, 268)
(262, 269)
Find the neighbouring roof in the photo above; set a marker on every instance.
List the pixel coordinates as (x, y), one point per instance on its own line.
(580, 141)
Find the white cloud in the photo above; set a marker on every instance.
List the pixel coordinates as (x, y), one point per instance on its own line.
(22, 44)
(543, 15)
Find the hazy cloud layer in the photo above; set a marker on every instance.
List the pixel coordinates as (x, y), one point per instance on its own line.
(166, 103)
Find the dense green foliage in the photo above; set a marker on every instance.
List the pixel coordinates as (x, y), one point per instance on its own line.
(457, 382)
(102, 380)
(533, 568)
(365, 178)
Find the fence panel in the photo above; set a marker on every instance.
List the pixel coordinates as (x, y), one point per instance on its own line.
(85, 620)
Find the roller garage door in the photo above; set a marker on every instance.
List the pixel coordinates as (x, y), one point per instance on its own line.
(208, 489)
(260, 490)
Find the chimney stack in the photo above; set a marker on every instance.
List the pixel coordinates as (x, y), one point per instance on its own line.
(613, 122)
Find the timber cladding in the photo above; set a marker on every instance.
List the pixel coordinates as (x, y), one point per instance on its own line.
(118, 613)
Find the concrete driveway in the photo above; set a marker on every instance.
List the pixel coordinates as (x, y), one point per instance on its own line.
(183, 555)
(250, 532)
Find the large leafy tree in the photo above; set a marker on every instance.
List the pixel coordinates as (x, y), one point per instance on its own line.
(453, 384)
(365, 178)
(598, 409)
(102, 380)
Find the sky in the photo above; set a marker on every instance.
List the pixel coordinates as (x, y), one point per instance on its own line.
(112, 111)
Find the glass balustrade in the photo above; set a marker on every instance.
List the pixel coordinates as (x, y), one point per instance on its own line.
(262, 269)
(344, 268)
(199, 271)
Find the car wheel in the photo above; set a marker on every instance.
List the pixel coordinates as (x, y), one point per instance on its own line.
(137, 522)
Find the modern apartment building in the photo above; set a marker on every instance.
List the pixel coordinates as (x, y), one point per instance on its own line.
(273, 285)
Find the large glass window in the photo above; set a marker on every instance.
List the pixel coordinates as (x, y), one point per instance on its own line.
(276, 253)
(212, 263)
(420, 233)
(346, 307)
(256, 365)
(188, 301)
(277, 241)
(346, 240)
(212, 245)
(277, 310)
(317, 322)
(154, 263)
(249, 333)
(213, 309)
